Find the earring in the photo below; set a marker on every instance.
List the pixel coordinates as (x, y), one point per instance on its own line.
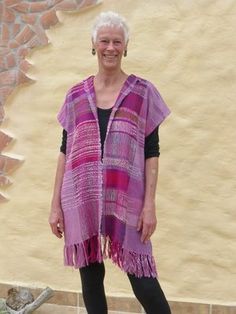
(93, 51)
(125, 53)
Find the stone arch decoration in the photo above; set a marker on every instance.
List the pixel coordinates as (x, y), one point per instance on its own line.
(22, 27)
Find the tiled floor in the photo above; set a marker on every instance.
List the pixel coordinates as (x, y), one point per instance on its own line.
(60, 309)
(57, 309)
(83, 311)
(176, 309)
(67, 302)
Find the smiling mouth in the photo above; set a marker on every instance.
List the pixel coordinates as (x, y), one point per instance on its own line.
(109, 56)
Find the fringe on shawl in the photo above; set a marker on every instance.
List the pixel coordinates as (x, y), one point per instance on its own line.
(83, 254)
(91, 251)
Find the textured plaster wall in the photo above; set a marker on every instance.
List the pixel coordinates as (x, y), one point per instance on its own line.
(187, 49)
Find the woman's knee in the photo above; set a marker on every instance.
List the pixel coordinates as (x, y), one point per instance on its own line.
(92, 276)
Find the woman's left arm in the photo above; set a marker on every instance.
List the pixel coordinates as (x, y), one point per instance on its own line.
(147, 220)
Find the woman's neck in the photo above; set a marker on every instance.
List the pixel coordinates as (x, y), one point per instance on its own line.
(110, 78)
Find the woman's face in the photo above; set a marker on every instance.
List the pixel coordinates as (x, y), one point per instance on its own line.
(110, 46)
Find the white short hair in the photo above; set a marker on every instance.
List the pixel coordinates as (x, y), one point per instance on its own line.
(111, 19)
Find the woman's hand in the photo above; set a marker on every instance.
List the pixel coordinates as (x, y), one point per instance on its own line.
(56, 221)
(147, 221)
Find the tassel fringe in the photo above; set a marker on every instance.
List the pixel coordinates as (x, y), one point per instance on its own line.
(91, 251)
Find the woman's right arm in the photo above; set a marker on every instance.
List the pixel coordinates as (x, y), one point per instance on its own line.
(56, 220)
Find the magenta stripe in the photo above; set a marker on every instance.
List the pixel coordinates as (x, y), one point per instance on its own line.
(117, 179)
(80, 161)
(87, 116)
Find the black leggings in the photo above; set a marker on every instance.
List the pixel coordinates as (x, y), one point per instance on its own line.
(147, 291)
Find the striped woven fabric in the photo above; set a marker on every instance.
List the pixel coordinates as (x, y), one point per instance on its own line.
(102, 198)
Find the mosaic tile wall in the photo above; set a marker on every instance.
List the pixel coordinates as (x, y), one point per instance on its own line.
(22, 27)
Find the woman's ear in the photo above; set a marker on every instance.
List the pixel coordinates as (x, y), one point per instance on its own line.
(93, 43)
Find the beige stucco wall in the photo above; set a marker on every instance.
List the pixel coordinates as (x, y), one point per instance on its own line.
(187, 48)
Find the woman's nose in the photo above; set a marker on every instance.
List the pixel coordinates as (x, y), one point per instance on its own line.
(110, 45)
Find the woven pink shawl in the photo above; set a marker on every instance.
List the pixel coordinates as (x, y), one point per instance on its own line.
(102, 198)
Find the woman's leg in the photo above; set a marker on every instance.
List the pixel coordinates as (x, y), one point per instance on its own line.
(150, 295)
(92, 278)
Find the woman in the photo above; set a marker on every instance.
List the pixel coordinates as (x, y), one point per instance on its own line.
(104, 194)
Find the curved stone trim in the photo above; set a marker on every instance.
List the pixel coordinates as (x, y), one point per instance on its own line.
(22, 28)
